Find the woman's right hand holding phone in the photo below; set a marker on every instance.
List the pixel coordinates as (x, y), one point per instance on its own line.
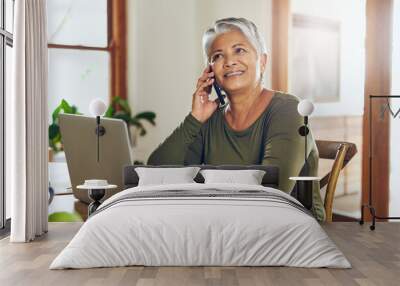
(202, 106)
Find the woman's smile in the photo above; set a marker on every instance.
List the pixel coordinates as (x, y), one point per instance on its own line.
(233, 74)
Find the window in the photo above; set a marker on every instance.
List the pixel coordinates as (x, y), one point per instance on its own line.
(87, 60)
(6, 44)
(87, 51)
(326, 65)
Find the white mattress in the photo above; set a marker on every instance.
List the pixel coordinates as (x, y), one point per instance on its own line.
(202, 231)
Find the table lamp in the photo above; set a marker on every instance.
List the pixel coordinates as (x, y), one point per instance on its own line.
(97, 108)
(305, 109)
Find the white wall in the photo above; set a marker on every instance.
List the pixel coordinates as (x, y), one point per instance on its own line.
(165, 55)
(352, 52)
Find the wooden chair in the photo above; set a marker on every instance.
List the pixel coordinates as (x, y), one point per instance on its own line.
(341, 153)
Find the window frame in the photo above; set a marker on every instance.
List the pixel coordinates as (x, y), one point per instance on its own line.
(116, 47)
(6, 39)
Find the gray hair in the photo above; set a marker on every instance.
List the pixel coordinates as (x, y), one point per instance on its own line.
(248, 29)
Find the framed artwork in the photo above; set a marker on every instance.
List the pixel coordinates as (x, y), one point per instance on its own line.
(315, 65)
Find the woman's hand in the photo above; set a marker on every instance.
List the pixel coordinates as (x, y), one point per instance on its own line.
(202, 107)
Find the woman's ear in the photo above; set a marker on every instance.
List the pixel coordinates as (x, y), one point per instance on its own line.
(263, 62)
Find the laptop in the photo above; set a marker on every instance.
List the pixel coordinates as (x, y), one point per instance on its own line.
(79, 140)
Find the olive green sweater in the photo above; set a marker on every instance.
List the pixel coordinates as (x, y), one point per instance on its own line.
(273, 139)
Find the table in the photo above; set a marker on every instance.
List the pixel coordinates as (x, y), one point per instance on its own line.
(96, 193)
(304, 190)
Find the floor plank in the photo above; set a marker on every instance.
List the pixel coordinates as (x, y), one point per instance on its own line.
(375, 257)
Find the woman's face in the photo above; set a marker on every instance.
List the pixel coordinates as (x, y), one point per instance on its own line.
(235, 63)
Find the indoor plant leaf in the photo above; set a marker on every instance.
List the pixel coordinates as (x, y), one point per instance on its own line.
(123, 104)
(54, 130)
(55, 113)
(122, 115)
(147, 115)
(66, 107)
(109, 112)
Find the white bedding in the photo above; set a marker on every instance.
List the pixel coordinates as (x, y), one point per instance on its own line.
(183, 231)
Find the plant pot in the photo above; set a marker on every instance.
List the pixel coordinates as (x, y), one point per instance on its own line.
(51, 153)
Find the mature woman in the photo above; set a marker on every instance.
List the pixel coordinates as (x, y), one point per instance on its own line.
(258, 126)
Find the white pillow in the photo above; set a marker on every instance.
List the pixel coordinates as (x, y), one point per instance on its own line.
(162, 176)
(249, 177)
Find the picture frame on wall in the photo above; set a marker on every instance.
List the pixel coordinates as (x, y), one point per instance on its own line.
(315, 61)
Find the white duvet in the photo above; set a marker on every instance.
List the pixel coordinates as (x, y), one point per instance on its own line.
(183, 231)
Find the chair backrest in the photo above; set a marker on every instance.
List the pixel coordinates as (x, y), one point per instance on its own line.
(79, 139)
(341, 153)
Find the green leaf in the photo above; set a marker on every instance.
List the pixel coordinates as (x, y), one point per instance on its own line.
(66, 107)
(136, 122)
(115, 99)
(123, 104)
(121, 115)
(109, 112)
(146, 115)
(56, 112)
(54, 130)
(52, 145)
(56, 142)
(74, 109)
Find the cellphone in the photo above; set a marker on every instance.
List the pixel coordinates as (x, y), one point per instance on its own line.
(221, 96)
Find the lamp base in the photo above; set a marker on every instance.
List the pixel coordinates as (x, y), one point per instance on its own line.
(303, 190)
(304, 193)
(96, 195)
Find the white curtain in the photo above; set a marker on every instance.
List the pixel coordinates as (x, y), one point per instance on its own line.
(27, 132)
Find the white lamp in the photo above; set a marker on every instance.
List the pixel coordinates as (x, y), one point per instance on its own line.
(97, 107)
(305, 109)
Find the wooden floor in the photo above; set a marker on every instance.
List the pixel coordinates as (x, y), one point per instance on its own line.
(375, 257)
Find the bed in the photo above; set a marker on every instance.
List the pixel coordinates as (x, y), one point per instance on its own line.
(201, 224)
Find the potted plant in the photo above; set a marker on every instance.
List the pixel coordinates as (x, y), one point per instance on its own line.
(119, 108)
(54, 128)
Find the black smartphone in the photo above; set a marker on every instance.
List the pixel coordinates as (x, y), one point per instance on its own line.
(221, 96)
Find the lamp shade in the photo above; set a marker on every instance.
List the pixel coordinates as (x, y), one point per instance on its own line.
(305, 107)
(97, 107)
